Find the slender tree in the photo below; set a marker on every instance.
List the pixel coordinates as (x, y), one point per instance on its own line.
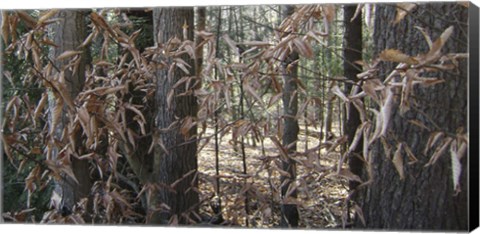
(352, 52)
(68, 35)
(289, 72)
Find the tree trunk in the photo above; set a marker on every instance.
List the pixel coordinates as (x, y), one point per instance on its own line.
(329, 96)
(69, 33)
(176, 161)
(289, 68)
(352, 52)
(425, 198)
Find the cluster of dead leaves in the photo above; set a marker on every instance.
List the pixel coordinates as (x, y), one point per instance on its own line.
(99, 112)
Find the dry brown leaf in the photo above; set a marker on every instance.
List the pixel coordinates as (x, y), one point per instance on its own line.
(407, 87)
(358, 10)
(370, 89)
(41, 104)
(232, 44)
(434, 52)
(439, 151)
(386, 110)
(329, 12)
(102, 23)
(402, 10)
(170, 97)
(426, 36)
(357, 137)
(68, 54)
(419, 124)
(274, 99)
(462, 149)
(359, 212)
(279, 146)
(5, 26)
(434, 137)
(29, 21)
(411, 157)
(251, 91)
(398, 161)
(394, 55)
(57, 114)
(304, 48)
(47, 15)
(456, 165)
(464, 4)
(336, 90)
(378, 125)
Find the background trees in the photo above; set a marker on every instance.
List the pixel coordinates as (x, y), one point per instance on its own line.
(228, 120)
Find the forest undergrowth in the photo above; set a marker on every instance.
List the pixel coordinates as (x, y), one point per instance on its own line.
(321, 200)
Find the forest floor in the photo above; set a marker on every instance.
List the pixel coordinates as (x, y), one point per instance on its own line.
(321, 197)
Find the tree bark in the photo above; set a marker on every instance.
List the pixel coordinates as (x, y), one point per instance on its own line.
(68, 35)
(425, 198)
(289, 68)
(177, 160)
(352, 52)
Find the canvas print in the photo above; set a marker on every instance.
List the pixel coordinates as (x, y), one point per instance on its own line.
(317, 116)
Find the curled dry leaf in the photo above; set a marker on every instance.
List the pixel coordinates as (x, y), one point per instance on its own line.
(425, 35)
(29, 21)
(329, 11)
(439, 151)
(5, 26)
(41, 105)
(68, 54)
(251, 91)
(402, 10)
(304, 48)
(359, 212)
(336, 90)
(434, 137)
(99, 21)
(386, 110)
(456, 165)
(398, 161)
(407, 87)
(411, 157)
(434, 52)
(47, 15)
(394, 55)
(378, 125)
(357, 137)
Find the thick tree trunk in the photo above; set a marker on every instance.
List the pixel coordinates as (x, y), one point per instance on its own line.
(352, 52)
(425, 198)
(177, 160)
(289, 68)
(69, 33)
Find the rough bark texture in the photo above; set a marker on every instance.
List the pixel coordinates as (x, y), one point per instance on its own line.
(200, 26)
(290, 215)
(68, 35)
(180, 155)
(425, 198)
(352, 52)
